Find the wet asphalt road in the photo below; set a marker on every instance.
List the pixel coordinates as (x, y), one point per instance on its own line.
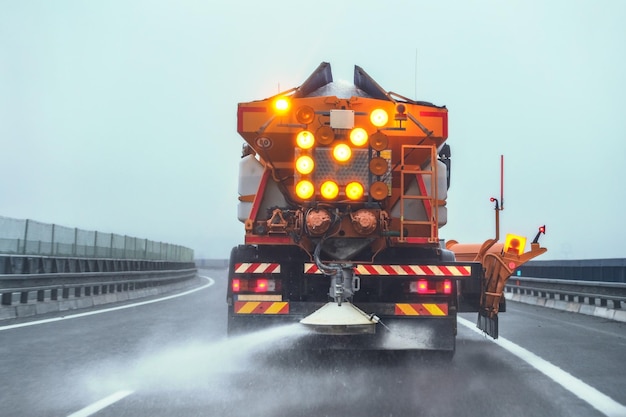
(171, 358)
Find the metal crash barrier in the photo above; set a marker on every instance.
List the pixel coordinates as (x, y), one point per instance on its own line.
(603, 294)
(30, 294)
(81, 281)
(46, 268)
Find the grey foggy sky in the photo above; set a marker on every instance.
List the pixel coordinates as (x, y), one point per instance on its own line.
(120, 116)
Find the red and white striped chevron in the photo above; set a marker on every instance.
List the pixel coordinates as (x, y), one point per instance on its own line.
(311, 269)
(257, 268)
(421, 270)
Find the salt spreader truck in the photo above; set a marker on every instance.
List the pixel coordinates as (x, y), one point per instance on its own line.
(342, 192)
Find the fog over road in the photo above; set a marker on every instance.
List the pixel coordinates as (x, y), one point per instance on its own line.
(171, 358)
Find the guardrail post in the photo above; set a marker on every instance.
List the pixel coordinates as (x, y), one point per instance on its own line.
(41, 295)
(24, 297)
(52, 243)
(7, 298)
(25, 235)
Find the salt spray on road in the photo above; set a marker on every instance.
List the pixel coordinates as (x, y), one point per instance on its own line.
(193, 365)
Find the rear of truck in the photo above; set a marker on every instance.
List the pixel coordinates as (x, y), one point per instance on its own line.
(414, 304)
(343, 191)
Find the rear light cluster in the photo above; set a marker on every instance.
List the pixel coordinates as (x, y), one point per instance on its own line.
(424, 286)
(258, 285)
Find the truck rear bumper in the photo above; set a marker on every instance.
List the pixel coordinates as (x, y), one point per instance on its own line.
(392, 333)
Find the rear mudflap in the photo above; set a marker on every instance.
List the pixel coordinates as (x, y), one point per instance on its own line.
(487, 324)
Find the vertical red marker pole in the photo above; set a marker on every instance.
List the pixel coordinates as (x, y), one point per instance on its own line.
(501, 182)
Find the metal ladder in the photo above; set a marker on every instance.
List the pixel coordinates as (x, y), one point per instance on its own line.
(429, 199)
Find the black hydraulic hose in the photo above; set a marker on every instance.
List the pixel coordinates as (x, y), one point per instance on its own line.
(327, 270)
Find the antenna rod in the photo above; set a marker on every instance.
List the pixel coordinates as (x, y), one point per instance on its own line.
(501, 182)
(415, 75)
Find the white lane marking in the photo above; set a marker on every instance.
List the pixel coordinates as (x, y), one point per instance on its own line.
(601, 402)
(99, 405)
(106, 310)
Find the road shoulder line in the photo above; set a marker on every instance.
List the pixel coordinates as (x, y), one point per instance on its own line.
(101, 404)
(210, 282)
(585, 392)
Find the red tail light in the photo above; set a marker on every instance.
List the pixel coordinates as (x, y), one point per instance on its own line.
(262, 285)
(424, 286)
(259, 285)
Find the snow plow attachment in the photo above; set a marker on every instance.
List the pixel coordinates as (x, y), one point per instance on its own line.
(498, 267)
(499, 261)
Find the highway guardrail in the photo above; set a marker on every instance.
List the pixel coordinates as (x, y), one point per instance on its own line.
(52, 287)
(604, 294)
(33, 285)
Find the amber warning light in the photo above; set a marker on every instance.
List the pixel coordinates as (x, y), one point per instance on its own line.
(514, 244)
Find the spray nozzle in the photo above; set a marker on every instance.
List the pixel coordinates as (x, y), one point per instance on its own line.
(374, 318)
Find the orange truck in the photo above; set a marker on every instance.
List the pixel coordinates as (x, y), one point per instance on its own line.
(342, 192)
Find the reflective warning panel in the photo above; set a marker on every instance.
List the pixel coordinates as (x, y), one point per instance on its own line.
(421, 309)
(257, 268)
(420, 270)
(261, 307)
